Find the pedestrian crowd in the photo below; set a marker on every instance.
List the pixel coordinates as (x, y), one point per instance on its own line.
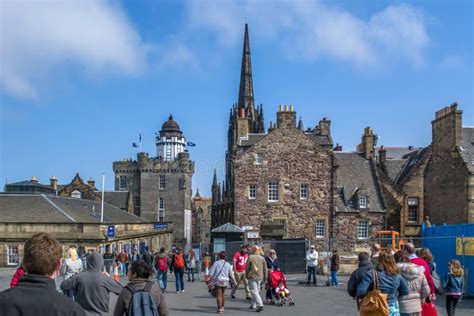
(402, 283)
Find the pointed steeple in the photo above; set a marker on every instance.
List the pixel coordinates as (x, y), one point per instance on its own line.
(300, 125)
(246, 82)
(214, 182)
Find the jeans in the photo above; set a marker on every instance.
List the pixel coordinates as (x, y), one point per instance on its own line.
(312, 272)
(254, 292)
(179, 273)
(240, 278)
(220, 290)
(162, 278)
(190, 273)
(334, 278)
(123, 268)
(451, 303)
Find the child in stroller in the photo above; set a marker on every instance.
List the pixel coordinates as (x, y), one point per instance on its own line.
(280, 292)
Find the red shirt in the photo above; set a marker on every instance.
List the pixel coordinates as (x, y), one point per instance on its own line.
(240, 261)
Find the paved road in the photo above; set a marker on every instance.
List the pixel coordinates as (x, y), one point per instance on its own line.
(319, 300)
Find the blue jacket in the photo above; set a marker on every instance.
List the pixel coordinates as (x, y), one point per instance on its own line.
(275, 265)
(453, 284)
(390, 285)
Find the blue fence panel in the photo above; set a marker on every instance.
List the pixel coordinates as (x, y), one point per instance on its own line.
(443, 241)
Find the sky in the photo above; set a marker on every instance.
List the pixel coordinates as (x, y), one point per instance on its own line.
(80, 80)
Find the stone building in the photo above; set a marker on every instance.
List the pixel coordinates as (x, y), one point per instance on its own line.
(289, 183)
(75, 222)
(201, 218)
(160, 186)
(449, 175)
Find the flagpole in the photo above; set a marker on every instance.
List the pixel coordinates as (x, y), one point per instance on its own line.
(140, 143)
(103, 193)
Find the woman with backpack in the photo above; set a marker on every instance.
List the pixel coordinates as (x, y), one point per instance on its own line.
(219, 276)
(140, 293)
(387, 279)
(178, 268)
(161, 267)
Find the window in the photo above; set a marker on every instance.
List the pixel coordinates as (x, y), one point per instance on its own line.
(161, 210)
(258, 159)
(162, 182)
(413, 210)
(76, 194)
(363, 230)
(252, 192)
(13, 258)
(137, 202)
(304, 191)
(320, 228)
(123, 183)
(362, 201)
(273, 193)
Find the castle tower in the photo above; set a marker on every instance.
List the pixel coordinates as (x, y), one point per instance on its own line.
(171, 141)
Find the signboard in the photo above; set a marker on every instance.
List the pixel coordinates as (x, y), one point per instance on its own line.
(253, 235)
(161, 226)
(111, 231)
(468, 246)
(247, 228)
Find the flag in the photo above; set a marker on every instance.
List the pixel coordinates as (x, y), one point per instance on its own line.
(140, 138)
(191, 144)
(134, 145)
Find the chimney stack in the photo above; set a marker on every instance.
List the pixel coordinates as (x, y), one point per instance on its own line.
(91, 183)
(325, 127)
(368, 142)
(383, 158)
(447, 129)
(286, 117)
(53, 182)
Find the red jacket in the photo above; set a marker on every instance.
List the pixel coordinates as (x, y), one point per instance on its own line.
(20, 272)
(421, 262)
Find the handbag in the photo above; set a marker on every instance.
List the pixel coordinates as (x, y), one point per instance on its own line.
(375, 302)
(437, 282)
(428, 309)
(211, 280)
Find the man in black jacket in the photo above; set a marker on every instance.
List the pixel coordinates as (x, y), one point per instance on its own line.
(358, 275)
(36, 292)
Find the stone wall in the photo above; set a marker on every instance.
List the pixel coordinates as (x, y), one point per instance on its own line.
(291, 158)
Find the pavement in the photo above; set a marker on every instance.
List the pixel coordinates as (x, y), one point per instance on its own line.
(319, 300)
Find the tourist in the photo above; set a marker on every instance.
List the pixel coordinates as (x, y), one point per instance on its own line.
(191, 264)
(147, 256)
(221, 274)
(206, 261)
(365, 265)
(240, 261)
(334, 268)
(108, 262)
(425, 254)
(72, 266)
(256, 271)
(139, 277)
(35, 293)
(389, 280)
(410, 305)
(92, 287)
(453, 286)
(19, 273)
(178, 268)
(123, 260)
(410, 251)
(312, 264)
(375, 252)
(134, 257)
(161, 264)
(272, 265)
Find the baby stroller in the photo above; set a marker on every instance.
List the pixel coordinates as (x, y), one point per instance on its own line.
(280, 293)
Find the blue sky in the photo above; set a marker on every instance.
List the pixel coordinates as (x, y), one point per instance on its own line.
(80, 80)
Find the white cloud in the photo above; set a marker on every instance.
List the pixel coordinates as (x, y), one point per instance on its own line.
(311, 30)
(39, 36)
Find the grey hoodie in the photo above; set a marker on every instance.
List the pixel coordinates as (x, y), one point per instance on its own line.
(419, 290)
(92, 288)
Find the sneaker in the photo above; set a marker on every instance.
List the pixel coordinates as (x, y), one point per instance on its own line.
(252, 307)
(182, 291)
(259, 309)
(233, 296)
(248, 298)
(177, 292)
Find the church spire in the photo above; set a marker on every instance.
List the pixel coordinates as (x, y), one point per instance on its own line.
(246, 82)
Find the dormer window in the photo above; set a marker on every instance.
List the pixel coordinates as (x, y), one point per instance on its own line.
(362, 202)
(76, 194)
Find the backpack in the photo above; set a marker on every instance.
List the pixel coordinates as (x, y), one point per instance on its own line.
(179, 261)
(375, 302)
(142, 303)
(162, 263)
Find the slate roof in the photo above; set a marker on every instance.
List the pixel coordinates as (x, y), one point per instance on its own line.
(467, 150)
(227, 228)
(396, 152)
(411, 161)
(23, 208)
(320, 139)
(394, 167)
(115, 198)
(355, 172)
